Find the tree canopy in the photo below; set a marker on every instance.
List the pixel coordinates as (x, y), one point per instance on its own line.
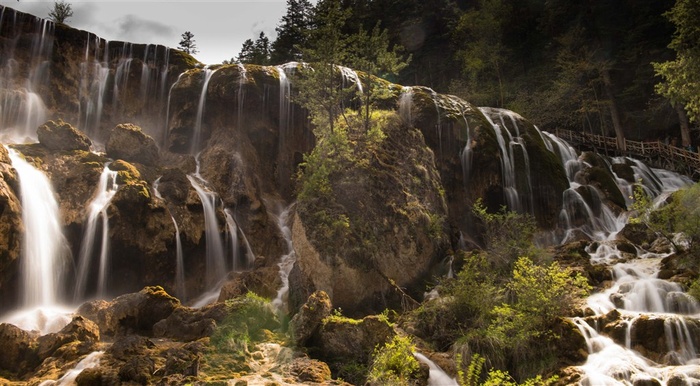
(60, 12)
(187, 44)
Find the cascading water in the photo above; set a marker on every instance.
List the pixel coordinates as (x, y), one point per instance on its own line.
(215, 260)
(436, 376)
(242, 79)
(197, 135)
(22, 109)
(90, 361)
(405, 105)
(180, 290)
(44, 250)
(97, 209)
(286, 261)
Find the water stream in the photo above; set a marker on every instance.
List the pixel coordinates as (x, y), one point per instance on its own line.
(97, 210)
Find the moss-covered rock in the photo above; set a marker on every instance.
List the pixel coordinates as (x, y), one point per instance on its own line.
(128, 142)
(59, 135)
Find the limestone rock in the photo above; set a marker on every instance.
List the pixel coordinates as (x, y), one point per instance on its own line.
(128, 346)
(135, 312)
(263, 281)
(80, 329)
(307, 321)
(310, 370)
(11, 227)
(15, 348)
(188, 324)
(345, 339)
(62, 136)
(128, 142)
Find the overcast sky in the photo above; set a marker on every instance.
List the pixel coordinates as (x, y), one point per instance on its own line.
(219, 26)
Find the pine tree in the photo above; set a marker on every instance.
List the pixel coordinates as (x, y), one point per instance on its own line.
(255, 52)
(292, 33)
(247, 53)
(187, 44)
(681, 77)
(370, 54)
(320, 89)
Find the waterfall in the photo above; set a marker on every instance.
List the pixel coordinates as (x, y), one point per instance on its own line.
(97, 209)
(286, 261)
(405, 105)
(22, 109)
(44, 248)
(215, 260)
(242, 79)
(197, 135)
(180, 290)
(233, 241)
(90, 361)
(436, 377)
(507, 163)
(637, 294)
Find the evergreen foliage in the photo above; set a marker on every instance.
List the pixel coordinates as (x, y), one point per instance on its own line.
(681, 77)
(187, 43)
(255, 52)
(292, 32)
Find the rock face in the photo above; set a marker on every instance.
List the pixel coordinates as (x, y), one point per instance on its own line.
(59, 135)
(11, 227)
(131, 313)
(307, 321)
(128, 142)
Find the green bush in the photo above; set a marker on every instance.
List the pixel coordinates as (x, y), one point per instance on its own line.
(394, 364)
(249, 315)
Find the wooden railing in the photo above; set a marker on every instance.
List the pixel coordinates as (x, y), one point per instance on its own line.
(655, 153)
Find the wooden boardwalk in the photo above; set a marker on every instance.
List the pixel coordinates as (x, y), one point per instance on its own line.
(656, 153)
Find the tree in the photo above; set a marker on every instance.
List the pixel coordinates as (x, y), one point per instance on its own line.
(61, 12)
(255, 52)
(292, 33)
(320, 89)
(681, 77)
(370, 53)
(187, 44)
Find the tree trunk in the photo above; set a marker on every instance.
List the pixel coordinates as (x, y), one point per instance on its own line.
(614, 112)
(685, 125)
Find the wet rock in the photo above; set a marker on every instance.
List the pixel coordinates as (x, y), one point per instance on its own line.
(307, 321)
(128, 346)
(188, 324)
(61, 136)
(133, 313)
(182, 361)
(263, 281)
(138, 369)
(80, 329)
(310, 370)
(342, 338)
(128, 142)
(636, 233)
(11, 228)
(15, 348)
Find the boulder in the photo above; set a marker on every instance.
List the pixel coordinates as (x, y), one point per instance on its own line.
(187, 324)
(307, 321)
(61, 136)
(80, 329)
(132, 313)
(128, 346)
(342, 339)
(128, 142)
(15, 348)
(310, 370)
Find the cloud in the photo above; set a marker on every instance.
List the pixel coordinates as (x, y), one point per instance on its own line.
(133, 27)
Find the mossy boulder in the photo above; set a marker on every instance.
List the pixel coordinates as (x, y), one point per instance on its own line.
(11, 227)
(131, 313)
(127, 141)
(310, 316)
(61, 136)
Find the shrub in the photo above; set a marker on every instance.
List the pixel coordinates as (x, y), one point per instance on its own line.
(394, 364)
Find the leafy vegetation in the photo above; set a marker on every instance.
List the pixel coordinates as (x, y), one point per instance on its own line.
(394, 363)
(250, 315)
(187, 43)
(502, 313)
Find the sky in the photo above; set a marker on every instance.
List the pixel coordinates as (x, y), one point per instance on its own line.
(220, 27)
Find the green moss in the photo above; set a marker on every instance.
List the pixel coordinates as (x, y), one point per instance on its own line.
(127, 174)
